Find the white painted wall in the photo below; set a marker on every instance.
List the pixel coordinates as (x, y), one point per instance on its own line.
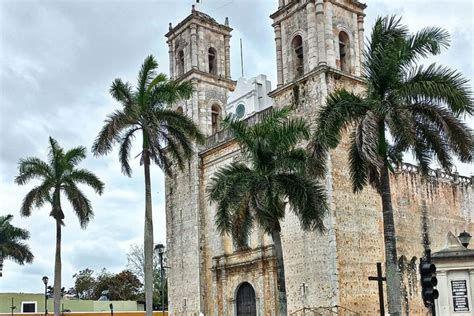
(250, 93)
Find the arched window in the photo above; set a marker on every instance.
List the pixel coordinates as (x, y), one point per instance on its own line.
(179, 110)
(245, 300)
(298, 57)
(215, 118)
(344, 52)
(212, 59)
(180, 62)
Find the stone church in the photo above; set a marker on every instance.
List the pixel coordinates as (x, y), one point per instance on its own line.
(319, 46)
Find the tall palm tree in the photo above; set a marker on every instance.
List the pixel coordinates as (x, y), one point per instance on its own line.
(11, 243)
(167, 137)
(255, 192)
(406, 107)
(59, 176)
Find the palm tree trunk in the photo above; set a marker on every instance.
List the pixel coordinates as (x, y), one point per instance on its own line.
(391, 262)
(57, 271)
(148, 237)
(280, 272)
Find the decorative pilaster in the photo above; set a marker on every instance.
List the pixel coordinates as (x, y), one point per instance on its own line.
(227, 56)
(278, 55)
(329, 36)
(312, 36)
(194, 49)
(172, 60)
(281, 3)
(320, 32)
(360, 28)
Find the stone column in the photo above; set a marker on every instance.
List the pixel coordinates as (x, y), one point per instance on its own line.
(278, 55)
(311, 38)
(329, 36)
(281, 3)
(194, 49)
(320, 32)
(355, 49)
(227, 56)
(360, 28)
(194, 103)
(172, 59)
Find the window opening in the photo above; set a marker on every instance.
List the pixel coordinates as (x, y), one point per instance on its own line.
(212, 59)
(344, 51)
(297, 44)
(180, 62)
(215, 118)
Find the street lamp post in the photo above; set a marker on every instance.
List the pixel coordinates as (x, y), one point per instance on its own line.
(161, 251)
(45, 281)
(111, 309)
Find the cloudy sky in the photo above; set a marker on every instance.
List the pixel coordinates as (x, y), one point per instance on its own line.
(57, 60)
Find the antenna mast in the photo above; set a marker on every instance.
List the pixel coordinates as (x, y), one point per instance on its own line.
(241, 58)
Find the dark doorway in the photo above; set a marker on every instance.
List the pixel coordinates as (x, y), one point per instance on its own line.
(246, 305)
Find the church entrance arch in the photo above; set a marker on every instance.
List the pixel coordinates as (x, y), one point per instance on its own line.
(246, 304)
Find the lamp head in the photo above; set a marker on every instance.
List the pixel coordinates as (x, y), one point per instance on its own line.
(45, 280)
(160, 248)
(465, 238)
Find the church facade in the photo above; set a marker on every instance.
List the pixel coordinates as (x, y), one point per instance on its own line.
(319, 46)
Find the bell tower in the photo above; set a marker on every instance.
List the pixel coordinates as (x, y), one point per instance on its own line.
(311, 34)
(199, 51)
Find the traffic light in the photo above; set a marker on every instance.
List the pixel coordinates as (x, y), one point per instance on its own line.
(428, 282)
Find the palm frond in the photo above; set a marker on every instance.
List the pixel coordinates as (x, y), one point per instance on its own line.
(17, 251)
(124, 152)
(438, 85)
(357, 166)
(80, 203)
(86, 177)
(111, 132)
(122, 92)
(145, 77)
(457, 134)
(307, 199)
(32, 168)
(170, 92)
(367, 139)
(75, 155)
(428, 41)
(342, 108)
(35, 197)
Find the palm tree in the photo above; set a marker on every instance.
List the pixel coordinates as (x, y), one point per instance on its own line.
(11, 245)
(167, 137)
(255, 192)
(406, 107)
(59, 176)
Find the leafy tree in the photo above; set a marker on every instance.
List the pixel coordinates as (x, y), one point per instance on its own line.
(103, 283)
(136, 264)
(12, 246)
(256, 192)
(406, 107)
(84, 283)
(144, 111)
(125, 286)
(59, 176)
